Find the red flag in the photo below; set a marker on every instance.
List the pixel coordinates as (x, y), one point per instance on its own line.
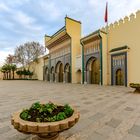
(106, 13)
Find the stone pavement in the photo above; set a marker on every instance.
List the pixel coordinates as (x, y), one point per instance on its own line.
(107, 112)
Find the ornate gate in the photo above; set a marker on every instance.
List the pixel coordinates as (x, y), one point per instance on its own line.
(119, 69)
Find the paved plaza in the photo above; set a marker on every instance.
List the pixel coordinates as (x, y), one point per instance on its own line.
(107, 112)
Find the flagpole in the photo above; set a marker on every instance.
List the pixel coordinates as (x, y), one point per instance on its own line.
(107, 44)
(107, 56)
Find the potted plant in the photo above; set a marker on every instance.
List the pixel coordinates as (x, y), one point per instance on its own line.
(45, 120)
(136, 86)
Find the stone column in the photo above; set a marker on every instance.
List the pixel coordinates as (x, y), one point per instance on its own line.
(64, 77)
(55, 77)
(100, 77)
(50, 78)
(47, 77)
(81, 78)
(85, 77)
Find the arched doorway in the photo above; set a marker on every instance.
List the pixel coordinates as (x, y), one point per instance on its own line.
(119, 77)
(59, 72)
(67, 73)
(47, 74)
(93, 71)
(52, 74)
(119, 69)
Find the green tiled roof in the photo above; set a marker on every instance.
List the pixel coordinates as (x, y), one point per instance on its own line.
(59, 31)
(119, 48)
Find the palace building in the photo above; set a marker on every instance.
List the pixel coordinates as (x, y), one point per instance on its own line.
(98, 58)
(64, 47)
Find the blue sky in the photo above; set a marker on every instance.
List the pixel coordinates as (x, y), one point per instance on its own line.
(30, 20)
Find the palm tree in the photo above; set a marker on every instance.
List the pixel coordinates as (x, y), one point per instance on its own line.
(8, 67)
(3, 70)
(13, 68)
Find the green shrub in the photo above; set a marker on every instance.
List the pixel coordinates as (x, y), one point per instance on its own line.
(25, 73)
(134, 85)
(49, 112)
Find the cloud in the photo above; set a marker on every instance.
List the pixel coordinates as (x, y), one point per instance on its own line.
(14, 3)
(28, 20)
(3, 7)
(18, 23)
(50, 9)
(23, 18)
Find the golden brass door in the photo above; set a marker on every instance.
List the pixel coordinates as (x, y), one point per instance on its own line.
(95, 74)
(119, 77)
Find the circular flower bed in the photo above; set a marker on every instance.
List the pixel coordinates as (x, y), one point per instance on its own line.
(45, 121)
(46, 112)
(136, 86)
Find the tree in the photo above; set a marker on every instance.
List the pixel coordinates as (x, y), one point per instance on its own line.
(20, 73)
(10, 59)
(25, 73)
(8, 67)
(6, 71)
(13, 68)
(28, 52)
(3, 70)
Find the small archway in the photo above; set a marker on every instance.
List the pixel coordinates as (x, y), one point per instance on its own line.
(119, 77)
(59, 72)
(93, 70)
(67, 73)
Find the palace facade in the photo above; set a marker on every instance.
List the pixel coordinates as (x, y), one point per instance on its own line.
(64, 47)
(98, 58)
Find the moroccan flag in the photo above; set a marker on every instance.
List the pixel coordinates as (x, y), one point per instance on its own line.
(106, 13)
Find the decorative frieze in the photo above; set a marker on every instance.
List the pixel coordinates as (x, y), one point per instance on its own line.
(92, 47)
(60, 52)
(118, 60)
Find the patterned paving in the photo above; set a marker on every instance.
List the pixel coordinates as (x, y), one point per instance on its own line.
(107, 113)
